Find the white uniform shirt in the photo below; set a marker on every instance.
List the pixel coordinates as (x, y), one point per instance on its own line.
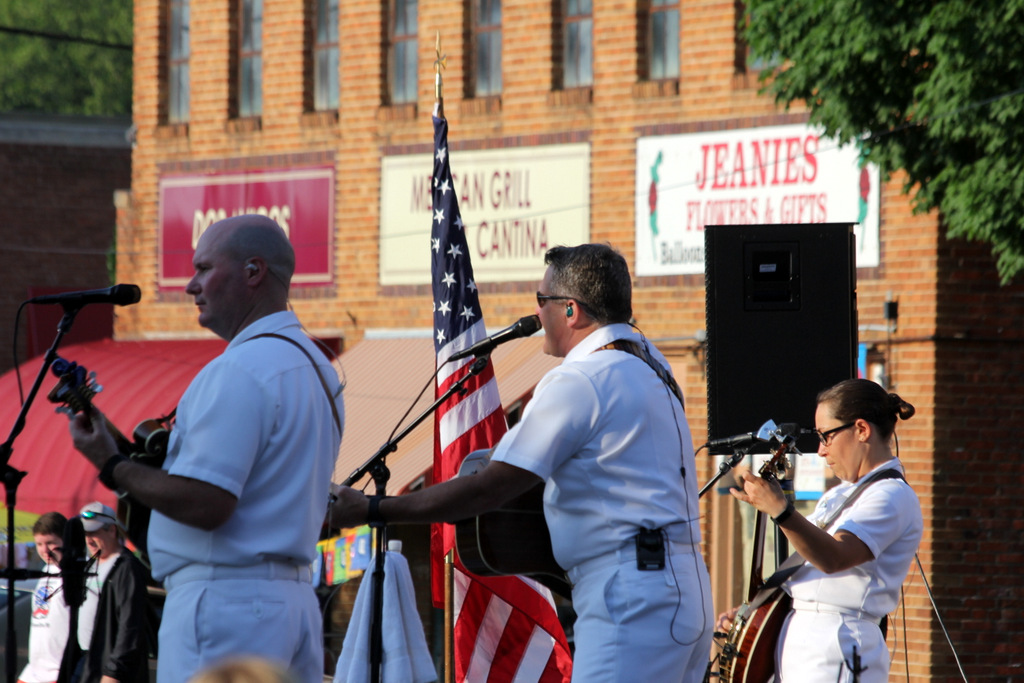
(887, 518)
(48, 632)
(257, 423)
(610, 439)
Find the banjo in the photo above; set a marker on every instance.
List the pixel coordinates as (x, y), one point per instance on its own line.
(748, 655)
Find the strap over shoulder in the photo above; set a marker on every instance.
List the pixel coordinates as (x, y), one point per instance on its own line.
(316, 368)
(641, 352)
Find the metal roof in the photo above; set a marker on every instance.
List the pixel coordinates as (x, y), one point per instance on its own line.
(140, 380)
(145, 379)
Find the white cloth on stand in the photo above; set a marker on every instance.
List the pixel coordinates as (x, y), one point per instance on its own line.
(406, 658)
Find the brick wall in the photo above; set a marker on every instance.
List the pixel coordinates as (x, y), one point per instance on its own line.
(955, 351)
(57, 181)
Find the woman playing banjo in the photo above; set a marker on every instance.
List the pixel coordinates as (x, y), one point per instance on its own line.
(854, 567)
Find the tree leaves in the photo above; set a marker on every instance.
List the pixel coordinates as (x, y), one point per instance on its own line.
(935, 88)
(45, 68)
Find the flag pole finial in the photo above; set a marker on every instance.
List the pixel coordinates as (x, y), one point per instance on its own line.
(441, 62)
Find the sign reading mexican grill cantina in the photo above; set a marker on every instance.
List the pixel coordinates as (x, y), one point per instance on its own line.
(515, 203)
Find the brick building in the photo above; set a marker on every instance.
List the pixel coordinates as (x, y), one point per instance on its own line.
(59, 177)
(284, 98)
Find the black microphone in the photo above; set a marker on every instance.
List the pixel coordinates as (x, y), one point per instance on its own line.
(727, 444)
(119, 295)
(73, 562)
(524, 327)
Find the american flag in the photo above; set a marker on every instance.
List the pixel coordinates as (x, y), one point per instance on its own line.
(506, 628)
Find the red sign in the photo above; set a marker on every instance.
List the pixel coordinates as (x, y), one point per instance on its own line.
(301, 200)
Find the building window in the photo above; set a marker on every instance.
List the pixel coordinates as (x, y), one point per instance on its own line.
(663, 40)
(404, 44)
(487, 40)
(746, 60)
(177, 61)
(578, 46)
(250, 59)
(325, 55)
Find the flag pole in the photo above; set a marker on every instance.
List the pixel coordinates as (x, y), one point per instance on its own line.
(449, 617)
(441, 62)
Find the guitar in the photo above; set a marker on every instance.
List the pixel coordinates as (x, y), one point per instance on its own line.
(513, 539)
(748, 655)
(73, 393)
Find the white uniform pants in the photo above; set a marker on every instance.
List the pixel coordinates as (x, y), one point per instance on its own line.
(820, 647)
(634, 626)
(205, 621)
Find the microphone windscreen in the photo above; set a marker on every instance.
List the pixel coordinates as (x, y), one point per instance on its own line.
(125, 295)
(529, 325)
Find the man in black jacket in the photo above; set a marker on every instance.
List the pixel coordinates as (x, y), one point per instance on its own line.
(117, 647)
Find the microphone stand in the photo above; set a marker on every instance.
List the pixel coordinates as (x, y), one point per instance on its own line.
(12, 478)
(378, 470)
(736, 458)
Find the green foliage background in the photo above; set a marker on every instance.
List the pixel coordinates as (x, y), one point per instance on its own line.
(933, 87)
(39, 74)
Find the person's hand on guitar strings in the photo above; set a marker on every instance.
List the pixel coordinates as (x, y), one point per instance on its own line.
(91, 437)
(766, 496)
(725, 620)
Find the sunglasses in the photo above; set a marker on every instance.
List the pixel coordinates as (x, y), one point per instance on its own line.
(544, 298)
(89, 514)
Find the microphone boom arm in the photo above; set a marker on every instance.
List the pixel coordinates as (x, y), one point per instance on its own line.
(12, 478)
(376, 468)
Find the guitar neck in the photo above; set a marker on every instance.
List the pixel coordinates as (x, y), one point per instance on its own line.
(124, 446)
(757, 555)
(767, 472)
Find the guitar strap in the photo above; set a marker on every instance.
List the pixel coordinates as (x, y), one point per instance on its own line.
(796, 560)
(316, 368)
(641, 352)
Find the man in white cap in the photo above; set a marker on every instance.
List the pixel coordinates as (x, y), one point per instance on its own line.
(111, 621)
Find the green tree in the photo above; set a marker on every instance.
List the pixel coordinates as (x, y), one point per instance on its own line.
(66, 56)
(933, 87)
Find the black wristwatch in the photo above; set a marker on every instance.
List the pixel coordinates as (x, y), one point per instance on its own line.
(373, 515)
(107, 473)
(784, 515)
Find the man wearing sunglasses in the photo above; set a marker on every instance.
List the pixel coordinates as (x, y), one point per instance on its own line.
(111, 622)
(607, 432)
(239, 503)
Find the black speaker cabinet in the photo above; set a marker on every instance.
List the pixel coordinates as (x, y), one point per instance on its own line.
(781, 322)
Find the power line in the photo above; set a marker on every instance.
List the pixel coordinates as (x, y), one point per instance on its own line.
(64, 38)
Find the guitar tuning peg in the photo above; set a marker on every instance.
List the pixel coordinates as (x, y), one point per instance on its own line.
(64, 410)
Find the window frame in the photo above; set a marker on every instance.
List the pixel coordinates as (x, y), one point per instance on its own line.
(250, 84)
(657, 11)
(487, 41)
(178, 78)
(403, 52)
(325, 54)
(580, 21)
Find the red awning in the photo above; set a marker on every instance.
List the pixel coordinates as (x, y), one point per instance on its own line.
(141, 380)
